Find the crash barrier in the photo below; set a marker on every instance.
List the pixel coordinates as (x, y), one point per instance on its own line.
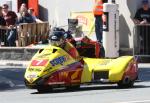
(31, 33)
(141, 40)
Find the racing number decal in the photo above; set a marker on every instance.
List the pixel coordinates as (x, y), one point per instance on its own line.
(39, 62)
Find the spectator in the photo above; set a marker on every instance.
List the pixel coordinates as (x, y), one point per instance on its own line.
(98, 12)
(25, 18)
(10, 18)
(2, 26)
(99, 17)
(142, 15)
(30, 11)
(23, 8)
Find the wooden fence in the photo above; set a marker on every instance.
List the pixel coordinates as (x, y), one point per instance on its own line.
(31, 33)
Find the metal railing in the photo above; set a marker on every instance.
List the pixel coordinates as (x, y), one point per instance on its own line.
(141, 40)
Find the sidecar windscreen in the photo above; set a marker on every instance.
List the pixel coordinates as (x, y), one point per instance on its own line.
(43, 51)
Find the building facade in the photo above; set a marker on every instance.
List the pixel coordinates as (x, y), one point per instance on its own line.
(58, 11)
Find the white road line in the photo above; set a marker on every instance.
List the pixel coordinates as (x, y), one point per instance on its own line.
(142, 101)
(143, 65)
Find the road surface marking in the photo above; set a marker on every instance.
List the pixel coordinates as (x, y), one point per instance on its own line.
(142, 101)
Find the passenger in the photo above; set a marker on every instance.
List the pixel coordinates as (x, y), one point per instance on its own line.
(25, 18)
(23, 8)
(57, 39)
(31, 11)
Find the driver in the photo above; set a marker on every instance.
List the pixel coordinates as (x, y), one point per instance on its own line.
(57, 39)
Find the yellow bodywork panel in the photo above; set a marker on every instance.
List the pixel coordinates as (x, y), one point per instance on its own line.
(116, 67)
(33, 72)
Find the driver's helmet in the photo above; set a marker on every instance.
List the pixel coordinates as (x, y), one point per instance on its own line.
(57, 37)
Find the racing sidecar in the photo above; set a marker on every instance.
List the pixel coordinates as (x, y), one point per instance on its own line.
(53, 67)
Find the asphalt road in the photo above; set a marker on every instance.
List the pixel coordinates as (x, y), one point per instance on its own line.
(12, 90)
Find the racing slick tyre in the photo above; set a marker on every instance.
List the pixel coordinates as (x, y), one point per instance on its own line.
(44, 89)
(73, 87)
(126, 83)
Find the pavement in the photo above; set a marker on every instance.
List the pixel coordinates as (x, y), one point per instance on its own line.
(144, 65)
(14, 63)
(17, 63)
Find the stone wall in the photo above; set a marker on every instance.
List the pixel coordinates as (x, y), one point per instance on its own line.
(17, 53)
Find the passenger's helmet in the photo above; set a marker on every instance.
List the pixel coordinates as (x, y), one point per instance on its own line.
(57, 37)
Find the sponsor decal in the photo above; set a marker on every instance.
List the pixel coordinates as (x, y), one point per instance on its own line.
(47, 70)
(59, 60)
(105, 62)
(75, 75)
(32, 76)
(63, 74)
(34, 69)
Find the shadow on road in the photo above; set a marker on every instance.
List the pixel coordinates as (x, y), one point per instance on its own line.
(144, 76)
(91, 88)
(11, 78)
